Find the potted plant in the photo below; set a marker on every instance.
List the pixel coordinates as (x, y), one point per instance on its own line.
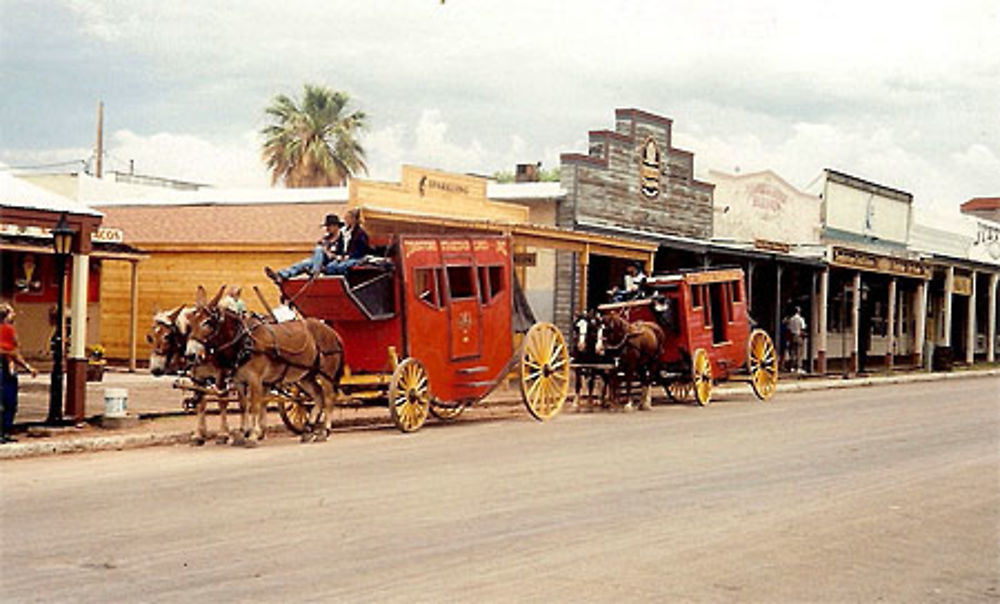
(95, 363)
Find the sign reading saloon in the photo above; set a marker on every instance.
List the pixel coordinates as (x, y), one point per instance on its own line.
(865, 261)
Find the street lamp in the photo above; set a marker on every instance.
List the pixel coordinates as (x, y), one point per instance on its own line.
(62, 241)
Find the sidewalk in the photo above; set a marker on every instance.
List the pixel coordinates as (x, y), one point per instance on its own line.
(159, 417)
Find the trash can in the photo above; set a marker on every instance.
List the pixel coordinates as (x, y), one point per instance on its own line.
(115, 402)
(943, 358)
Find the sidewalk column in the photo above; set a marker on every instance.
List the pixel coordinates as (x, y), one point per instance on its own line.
(919, 322)
(751, 265)
(779, 346)
(811, 329)
(991, 327)
(133, 315)
(584, 262)
(890, 327)
(824, 305)
(855, 322)
(970, 324)
(76, 366)
(949, 293)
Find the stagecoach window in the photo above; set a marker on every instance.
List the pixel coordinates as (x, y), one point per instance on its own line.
(461, 282)
(490, 283)
(695, 296)
(734, 286)
(425, 286)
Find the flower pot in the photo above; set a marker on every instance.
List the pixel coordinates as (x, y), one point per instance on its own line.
(95, 372)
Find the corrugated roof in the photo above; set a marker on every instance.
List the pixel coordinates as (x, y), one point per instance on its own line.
(16, 193)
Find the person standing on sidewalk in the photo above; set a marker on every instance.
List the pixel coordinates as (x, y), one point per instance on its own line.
(796, 326)
(10, 356)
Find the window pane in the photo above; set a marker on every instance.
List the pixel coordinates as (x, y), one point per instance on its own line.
(496, 281)
(461, 282)
(484, 287)
(424, 286)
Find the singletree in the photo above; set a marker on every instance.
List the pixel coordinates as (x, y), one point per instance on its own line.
(313, 143)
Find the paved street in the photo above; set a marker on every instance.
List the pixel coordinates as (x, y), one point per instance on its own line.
(883, 493)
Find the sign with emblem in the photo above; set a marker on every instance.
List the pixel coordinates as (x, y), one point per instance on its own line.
(650, 166)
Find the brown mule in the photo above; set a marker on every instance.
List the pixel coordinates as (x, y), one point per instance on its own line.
(168, 338)
(638, 347)
(260, 354)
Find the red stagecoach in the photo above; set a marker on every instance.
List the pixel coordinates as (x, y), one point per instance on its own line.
(708, 332)
(431, 328)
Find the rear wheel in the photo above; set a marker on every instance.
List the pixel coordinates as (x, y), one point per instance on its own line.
(409, 395)
(763, 364)
(701, 374)
(544, 371)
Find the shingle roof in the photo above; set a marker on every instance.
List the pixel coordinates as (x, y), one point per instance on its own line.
(293, 224)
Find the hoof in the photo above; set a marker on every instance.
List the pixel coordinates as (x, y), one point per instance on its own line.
(321, 436)
(238, 440)
(251, 443)
(222, 439)
(197, 441)
(307, 437)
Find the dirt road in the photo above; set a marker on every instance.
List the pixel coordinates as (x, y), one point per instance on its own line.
(888, 493)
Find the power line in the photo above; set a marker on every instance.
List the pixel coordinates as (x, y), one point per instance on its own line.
(52, 165)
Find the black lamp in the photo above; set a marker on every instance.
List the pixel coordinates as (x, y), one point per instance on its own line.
(62, 243)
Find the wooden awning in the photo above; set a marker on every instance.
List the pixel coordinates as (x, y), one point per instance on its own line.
(386, 222)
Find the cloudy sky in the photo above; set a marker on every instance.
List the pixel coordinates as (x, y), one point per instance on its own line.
(903, 93)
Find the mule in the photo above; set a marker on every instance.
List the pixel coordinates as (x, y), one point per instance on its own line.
(260, 354)
(168, 338)
(638, 347)
(584, 352)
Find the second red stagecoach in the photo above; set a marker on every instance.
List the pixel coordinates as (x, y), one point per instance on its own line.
(708, 332)
(431, 327)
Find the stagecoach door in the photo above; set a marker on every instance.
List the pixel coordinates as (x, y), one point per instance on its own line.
(464, 319)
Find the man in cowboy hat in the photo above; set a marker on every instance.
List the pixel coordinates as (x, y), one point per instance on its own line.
(329, 246)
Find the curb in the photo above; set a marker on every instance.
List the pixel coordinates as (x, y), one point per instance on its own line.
(22, 450)
(100, 443)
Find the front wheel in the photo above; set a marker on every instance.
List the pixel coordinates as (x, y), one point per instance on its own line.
(701, 374)
(544, 371)
(294, 407)
(409, 395)
(763, 364)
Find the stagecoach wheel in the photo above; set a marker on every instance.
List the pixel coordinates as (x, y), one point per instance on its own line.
(294, 408)
(679, 391)
(763, 364)
(701, 374)
(544, 371)
(409, 395)
(449, 412)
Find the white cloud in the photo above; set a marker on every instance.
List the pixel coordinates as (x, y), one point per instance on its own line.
(190, 158)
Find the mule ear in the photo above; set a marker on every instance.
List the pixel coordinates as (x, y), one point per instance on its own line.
(218, 296)
(172, 317)
(200, 296)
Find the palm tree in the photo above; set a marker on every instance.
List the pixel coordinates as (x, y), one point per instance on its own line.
(313, 144)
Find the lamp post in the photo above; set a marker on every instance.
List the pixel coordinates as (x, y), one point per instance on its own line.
(62, 240)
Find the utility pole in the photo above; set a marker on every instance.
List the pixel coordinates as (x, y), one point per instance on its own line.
(98, 169)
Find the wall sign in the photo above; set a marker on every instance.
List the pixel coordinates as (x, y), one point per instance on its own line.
(866, 261)
(650, 165)
(963, 285)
